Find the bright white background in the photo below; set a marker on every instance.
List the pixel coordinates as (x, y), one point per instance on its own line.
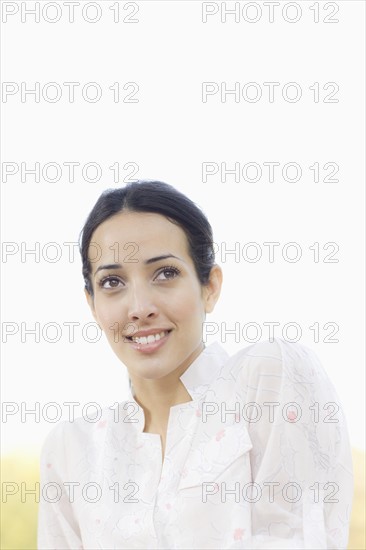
(169, 133)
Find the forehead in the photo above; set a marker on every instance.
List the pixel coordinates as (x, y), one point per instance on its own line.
(147, 233)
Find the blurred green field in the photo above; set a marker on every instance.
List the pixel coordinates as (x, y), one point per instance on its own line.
(19, 520)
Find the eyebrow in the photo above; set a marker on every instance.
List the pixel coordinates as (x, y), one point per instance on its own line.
(146, 262)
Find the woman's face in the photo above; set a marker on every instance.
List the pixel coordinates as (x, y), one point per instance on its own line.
(141, 291)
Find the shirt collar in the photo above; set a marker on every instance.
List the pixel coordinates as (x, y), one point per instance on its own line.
(204, 370)
(198, 377)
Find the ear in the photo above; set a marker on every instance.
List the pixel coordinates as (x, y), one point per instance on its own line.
(212, 290)
(90, 301)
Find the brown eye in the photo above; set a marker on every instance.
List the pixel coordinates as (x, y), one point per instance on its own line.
(113, 282)
(170, 272)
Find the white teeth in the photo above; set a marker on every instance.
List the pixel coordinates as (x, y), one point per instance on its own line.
(150, 338)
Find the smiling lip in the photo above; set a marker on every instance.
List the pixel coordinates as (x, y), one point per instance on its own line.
(153, 346)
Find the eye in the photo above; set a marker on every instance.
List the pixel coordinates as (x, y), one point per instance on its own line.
(109, 279)
(170, 270)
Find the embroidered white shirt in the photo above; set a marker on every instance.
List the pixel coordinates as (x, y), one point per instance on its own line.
(260, 458)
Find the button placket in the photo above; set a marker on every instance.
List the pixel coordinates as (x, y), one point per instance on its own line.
(182, 419)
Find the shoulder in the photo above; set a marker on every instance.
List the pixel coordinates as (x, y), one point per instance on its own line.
(277, 358)
(262, 356)
(89, 429)
(73, 448)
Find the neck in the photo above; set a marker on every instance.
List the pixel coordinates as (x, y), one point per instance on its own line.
(157, 396)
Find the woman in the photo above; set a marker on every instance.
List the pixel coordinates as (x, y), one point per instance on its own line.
(208, 451)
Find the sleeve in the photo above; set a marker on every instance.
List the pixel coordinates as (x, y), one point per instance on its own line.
(301, 461)
(57, 524)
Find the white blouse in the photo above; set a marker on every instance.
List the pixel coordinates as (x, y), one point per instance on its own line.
(260, 458)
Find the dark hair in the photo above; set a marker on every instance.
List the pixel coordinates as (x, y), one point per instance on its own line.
(160, 198)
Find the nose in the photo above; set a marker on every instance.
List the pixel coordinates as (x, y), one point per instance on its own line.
(141, 305)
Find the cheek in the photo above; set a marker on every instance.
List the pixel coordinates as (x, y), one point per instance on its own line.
(183, 305)
(108, 314)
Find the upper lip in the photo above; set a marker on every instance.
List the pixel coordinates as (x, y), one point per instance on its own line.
(148, 331)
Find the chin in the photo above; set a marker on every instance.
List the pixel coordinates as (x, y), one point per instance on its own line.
(151, 372)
